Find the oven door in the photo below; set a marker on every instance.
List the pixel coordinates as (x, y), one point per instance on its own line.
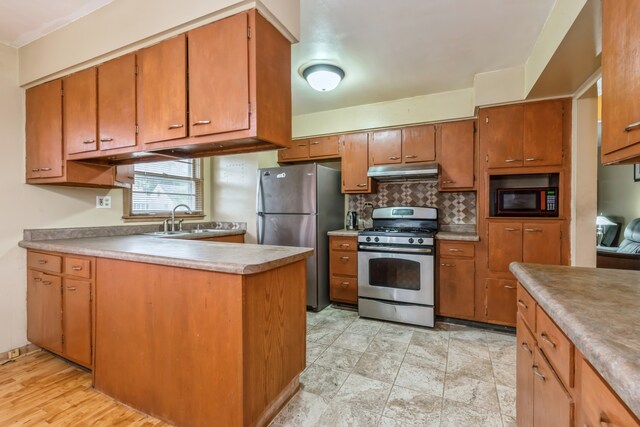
(396, 277)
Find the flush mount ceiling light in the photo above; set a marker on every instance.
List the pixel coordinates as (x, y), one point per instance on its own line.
(323, 77)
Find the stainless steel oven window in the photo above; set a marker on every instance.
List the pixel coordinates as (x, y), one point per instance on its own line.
(395, 273)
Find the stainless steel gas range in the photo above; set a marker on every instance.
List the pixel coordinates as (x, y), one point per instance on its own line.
(396, 265)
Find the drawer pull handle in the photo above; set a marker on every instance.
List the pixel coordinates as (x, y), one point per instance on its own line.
(632, 126)
(71, 288)
(89, 141)
(448, 265)
(537, 373)
(546, 339)
(45, 169)
(42, 261)
(526, 348)
(604, 420)
(512, 160)
(533, 230)
(302, 145)
(37, 279)
(46, 282)
(176, 126)
(314, 143)
(106, 139)
(76, 268)
(448, 181)
(412, 156)
(455, 250)
(345, 245)
(394, 158)
(511, 229)
(509, 287)
(344, 258)
(344, 284)
(35, 170)
(362, 185)
(522, 304)
(201, 122)
(533, 159)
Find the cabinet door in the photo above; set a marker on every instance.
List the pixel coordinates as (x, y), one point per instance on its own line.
(620, 68)
(44, 310)
(501, 301)
(552, 405)
(543, 123)
(80, 115)
(117, 103)
(419, 144)
(386, 147)
(299, 151)
(44, 130)
(355, 163)
(456, 155)
(456, 287)
(505, 245)
(326, 146)
(541, 243)
(219, 76)
(524, 374)
(162, 90)
(502, 131)
(77, 321)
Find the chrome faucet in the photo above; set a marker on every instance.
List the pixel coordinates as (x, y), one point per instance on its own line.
(173, 214)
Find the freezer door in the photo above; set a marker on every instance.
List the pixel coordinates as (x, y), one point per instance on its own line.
(290, 189)
(294, 230)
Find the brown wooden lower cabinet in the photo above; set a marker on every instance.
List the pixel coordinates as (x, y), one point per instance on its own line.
(343, 266)
(526, 345)
(501, 301)
(552, 404)
(44, 310)
(456, 280)
(76, 309)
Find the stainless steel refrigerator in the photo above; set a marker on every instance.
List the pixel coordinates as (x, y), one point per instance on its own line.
(297, 206)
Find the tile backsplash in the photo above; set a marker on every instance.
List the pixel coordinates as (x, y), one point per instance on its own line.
(454, 208)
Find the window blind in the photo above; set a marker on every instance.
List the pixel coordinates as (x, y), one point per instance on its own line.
(159, 186)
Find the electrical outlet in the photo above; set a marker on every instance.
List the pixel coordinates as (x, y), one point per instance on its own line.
(12, 354)
(103, 202)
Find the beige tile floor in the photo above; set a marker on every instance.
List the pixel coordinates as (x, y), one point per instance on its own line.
(362, 372)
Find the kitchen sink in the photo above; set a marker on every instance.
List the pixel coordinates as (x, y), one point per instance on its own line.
(166, 233)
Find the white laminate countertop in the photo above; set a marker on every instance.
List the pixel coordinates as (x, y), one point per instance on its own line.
(344, 233)
(453, 235)
(236, 258)
(599, 310)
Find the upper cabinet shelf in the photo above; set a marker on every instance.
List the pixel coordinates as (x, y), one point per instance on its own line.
(222, 88)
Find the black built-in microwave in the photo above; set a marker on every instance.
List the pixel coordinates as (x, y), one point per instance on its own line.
(538, 201)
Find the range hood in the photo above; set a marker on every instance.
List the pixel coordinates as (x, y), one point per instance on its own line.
(405, 172)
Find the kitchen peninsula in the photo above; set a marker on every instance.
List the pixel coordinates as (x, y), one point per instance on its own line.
(187, 331)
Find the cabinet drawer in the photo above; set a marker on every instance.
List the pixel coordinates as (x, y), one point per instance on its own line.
(344, 289)
(599, 405)
(552, 404)
(455, 249)
(555, 346)
(526, 307)
(45, 262)
(79, 267)
(344, 243)
(344, 263)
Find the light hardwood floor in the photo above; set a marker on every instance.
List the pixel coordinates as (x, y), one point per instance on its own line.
(41, 390)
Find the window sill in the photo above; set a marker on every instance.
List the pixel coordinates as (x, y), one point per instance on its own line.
(160, 217)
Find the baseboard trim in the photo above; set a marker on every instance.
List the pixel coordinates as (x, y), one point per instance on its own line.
(278, 403)
(24, 350)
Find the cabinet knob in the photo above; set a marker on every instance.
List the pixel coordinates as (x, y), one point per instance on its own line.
(314, 143)
(176, 126)
(448, 265)
(509, 287)
(362, 185)
(546, 339)
(45, 169)
(201, 122)
(511, 229)
(71, 288)
(533, 159)
(448, 181)
(394, 158)
(537, 373)
(76, 268)
(526, 348)
(512, 160)
(106, 139)
(455, 250)
(344, 258)
(35, 170)
(522, 304)
(42, 261)
(89, 141)
(533, 230)
(46, 282)
(302, 145)
(412, 156)
(344, 284)
(345, 245)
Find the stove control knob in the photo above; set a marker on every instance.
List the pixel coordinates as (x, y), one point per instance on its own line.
(420, 240)
(376, 239)
(368, 239)
(410, 239)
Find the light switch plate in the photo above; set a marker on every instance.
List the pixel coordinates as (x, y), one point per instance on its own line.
(103, 202)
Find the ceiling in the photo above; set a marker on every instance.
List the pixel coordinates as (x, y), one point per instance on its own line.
(388, 49)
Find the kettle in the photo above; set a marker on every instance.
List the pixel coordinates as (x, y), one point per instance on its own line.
(352, 220)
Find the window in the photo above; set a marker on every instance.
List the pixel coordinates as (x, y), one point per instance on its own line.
(159, 186)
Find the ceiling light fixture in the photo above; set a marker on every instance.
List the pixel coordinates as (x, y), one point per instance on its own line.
(323, 77)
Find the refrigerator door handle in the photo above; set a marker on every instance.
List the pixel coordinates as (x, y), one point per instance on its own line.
(260, 228)
(259, 194)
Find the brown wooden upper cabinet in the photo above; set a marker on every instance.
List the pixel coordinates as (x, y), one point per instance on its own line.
(162, 90)
(44, 130)
(117, 103)
(620, 81)
(218, 76)
(80, 111)
(355, 164)
(456, 155)
(322, 147)
(299, 150)
(407, 145)
(523, 135)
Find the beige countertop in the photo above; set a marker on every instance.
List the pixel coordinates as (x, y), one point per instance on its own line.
(344, 233)
(236, 258)
(599, 310)
(204, 235)
(452, 235)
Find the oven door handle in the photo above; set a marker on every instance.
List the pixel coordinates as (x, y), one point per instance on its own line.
(395, 249)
